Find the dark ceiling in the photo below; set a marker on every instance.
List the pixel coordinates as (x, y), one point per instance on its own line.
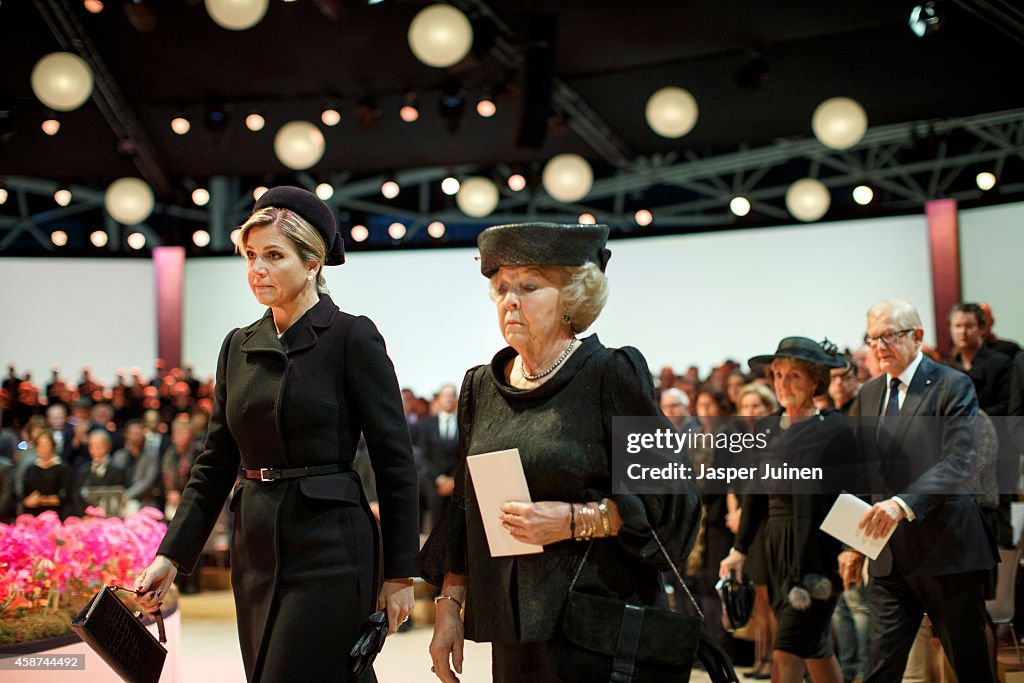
(613, 55)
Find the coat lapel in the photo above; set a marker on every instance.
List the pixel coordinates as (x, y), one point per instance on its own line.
(261, 337)
(306, 329)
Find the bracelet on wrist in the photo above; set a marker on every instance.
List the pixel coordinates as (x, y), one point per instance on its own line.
(602, 507)
(443, 596)
(572, 521)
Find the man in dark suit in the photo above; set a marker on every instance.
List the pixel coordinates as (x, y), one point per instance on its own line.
(988, 369)
(939, 555)
(438, 437)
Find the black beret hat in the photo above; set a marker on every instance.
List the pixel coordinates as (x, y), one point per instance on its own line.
(315, 212)
(802, 348)
(542, 244)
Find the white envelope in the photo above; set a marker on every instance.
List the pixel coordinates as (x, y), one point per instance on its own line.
(841, 523)
(498, 477)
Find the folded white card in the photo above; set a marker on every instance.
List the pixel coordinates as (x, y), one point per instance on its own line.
(841, 523)
(498, 477)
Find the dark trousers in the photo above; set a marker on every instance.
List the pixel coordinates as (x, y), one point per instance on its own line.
(955, 604)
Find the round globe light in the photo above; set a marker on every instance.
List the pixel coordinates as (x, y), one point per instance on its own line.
(839, 122)
(671, 112)
(359, 233)
(62, 81)
(440, 36)
(325, 191)
(586, 219)
(436, 230)
(477, 197)
(59, 238)
(808, 199)
(98, 238)
(516, 182)
(740, 206)
(299, 145)
(129, 201)
(567, 177)
(450, 185)
(236, 15)
(136, 240)
(396, 230)
(862, 194)
(643, 218)
(985, 180)
(201, 238)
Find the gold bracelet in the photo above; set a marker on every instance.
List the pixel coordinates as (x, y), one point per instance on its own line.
(447, 597)
(602, 507)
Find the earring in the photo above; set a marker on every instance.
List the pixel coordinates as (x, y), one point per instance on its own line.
(310, 277)
(565, 318)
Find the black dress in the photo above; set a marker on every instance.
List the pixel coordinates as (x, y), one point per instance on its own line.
(49, 481)
(563, 430)
(794, 546)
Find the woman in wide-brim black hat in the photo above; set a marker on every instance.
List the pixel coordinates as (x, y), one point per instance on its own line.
(801, 560)
(552, 395)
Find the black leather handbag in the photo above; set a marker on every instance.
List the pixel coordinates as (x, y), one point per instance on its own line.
(737, 600)
(119, 637)
(606, 639)
(369, 643)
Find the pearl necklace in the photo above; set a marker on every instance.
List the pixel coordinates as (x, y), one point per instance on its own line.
(545, 373)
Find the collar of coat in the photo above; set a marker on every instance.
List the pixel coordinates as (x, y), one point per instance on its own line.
(261, 336)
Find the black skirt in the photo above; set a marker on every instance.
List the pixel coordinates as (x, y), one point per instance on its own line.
(804, 633)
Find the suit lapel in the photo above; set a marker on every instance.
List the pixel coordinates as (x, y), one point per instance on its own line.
(912, 404)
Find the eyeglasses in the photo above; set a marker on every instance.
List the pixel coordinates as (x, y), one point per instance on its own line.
(888, 338)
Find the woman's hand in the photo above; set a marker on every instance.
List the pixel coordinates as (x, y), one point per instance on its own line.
(540, 523)
(732, 562)
(154, 582)
(446, 647)
(397, 597)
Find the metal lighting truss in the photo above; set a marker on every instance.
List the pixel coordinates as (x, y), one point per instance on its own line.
(709, 183)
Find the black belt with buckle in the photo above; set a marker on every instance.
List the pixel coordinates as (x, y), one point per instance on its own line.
(272, 474)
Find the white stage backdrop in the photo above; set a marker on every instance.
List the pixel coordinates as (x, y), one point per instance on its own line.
(991, 254)
(75, 312)
(681, 300)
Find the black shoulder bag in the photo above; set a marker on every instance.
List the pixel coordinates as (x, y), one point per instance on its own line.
(607, 639)
(118, 636)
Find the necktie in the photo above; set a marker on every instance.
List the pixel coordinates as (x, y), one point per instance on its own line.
(892, 408)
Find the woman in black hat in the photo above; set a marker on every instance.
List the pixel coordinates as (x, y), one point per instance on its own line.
(801, 560)
(552, 396)
(294, 392)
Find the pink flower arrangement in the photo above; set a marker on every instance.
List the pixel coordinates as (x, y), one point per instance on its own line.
(43, 559)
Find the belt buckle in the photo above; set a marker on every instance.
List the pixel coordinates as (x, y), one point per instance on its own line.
(268, 474)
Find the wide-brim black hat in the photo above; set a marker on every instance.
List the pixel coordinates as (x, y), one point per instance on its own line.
(802, 348)
(314, 211)
(542, 244)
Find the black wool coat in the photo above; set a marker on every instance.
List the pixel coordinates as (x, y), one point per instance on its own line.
(305, 561)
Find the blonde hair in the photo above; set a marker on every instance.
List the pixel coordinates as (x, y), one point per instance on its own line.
(304, 237)
(583, 291)
(763, 393)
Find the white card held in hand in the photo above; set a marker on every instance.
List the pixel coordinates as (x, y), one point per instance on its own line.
(841, 523)
(498, 477)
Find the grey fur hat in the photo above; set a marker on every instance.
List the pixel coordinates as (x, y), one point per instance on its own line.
(542, 244)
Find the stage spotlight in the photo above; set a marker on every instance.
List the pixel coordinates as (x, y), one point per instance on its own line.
(330, 116)
(201, 196)
(181, 125)
(862, 194)
(643, 218)
(450, 186)
(98, 238)
(62, 196)
(255, 121)
(257, 192)
(587, 219)
(324, 191)
(410, 110)
(396, 230)
(200, 238)
(136, 240)
(925, 19)
(740, 206)
(51, 126)
(516, 182)
(985, 180)
(485, 107)
(359, 233)
(390, 189)
(59, 238)
(436, 230)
